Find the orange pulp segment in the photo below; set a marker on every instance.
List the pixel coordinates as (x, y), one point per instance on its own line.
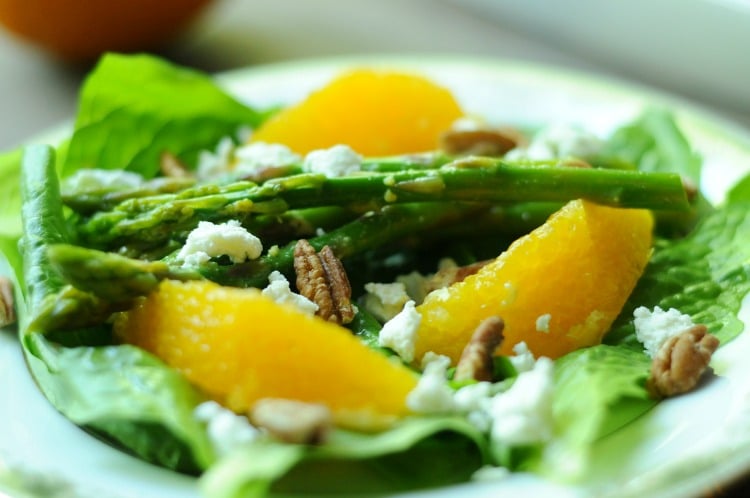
(559, 288)
(376, 113)
(240, 346)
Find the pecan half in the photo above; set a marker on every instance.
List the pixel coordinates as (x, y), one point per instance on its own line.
(7, 312)
(681, 361)
(292, 421)
(480, 141)
(322, 279)
(477, 357)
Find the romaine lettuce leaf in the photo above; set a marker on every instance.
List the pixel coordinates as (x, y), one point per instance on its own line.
(653, 142)
(133, 108)
(597, 391)
(10, 193)
(705, 275)
(417, 453)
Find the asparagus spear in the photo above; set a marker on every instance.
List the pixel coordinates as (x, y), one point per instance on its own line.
(116, 279)
(156, 219)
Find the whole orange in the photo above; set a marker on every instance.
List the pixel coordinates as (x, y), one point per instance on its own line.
(83, 29)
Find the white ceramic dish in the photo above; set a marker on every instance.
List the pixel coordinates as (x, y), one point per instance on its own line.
(682, 448)
(698, 47)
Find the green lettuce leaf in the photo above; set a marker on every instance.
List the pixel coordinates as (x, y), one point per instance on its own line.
(597, 391)
(705, 275)
(654, 142)
(740, 192)
(417, 453)
(10, 193)
(127, 394)
(133, 108)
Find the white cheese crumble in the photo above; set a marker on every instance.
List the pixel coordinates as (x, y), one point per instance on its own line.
(93, 180)
(339, 160)
(523, 360)
(523, 414)
(385, 301)
(210, 240)
(400, 332)
(226, 430)
(254, 158)
(217, 163)
(654, 328)
(432, 393)
(542, 323)
(558, 141)
(278, 290)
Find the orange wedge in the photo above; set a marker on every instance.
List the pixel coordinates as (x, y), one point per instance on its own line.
(240, 346)
(375, 113)
(559, 288)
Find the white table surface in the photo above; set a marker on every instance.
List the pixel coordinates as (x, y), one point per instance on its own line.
(37, 92)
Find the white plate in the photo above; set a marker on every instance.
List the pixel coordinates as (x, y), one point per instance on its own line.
(694, 442)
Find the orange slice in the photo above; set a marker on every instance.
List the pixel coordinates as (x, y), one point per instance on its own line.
(559, 288)
(240, 346)
(375, 113)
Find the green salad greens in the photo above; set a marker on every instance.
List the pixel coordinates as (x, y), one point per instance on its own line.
(78, 256)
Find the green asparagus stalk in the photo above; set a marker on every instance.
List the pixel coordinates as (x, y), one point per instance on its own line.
(116, 280)
(156, 219)
(372, 230)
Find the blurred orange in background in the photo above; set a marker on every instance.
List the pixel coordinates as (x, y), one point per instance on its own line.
(80, 30)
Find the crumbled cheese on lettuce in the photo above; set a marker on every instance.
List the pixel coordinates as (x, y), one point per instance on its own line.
(216, 163)
(94, 180)
(654, 328)
(400, 332)
(211, 240)
(385, 301)
(522, 415)
(432, 393)
(254, 158)
(278, 290)
(226, 430)
(523, 360)
(559, 141)
(339, 160)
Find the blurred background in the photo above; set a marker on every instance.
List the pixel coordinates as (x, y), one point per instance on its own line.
(696, 49)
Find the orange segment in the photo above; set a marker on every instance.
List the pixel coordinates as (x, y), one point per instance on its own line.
(559, 288)
(240, 346)
(375, 113)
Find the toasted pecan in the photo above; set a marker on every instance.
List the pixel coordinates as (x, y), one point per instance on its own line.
(321, 278)
(681, 361)
(476, 360)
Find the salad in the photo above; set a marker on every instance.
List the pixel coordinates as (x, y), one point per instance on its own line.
(204, 285)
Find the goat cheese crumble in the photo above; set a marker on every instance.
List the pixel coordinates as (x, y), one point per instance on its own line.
(339, 160)
(278, 290)
(432, 393)
(400, 332)
(523, 360)
(254, 158)
(216, 163)
(226, 430)
(523, 414)
(93, 180)
(558, 141)
(385, 301)
(210, 240)
(654, 328)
